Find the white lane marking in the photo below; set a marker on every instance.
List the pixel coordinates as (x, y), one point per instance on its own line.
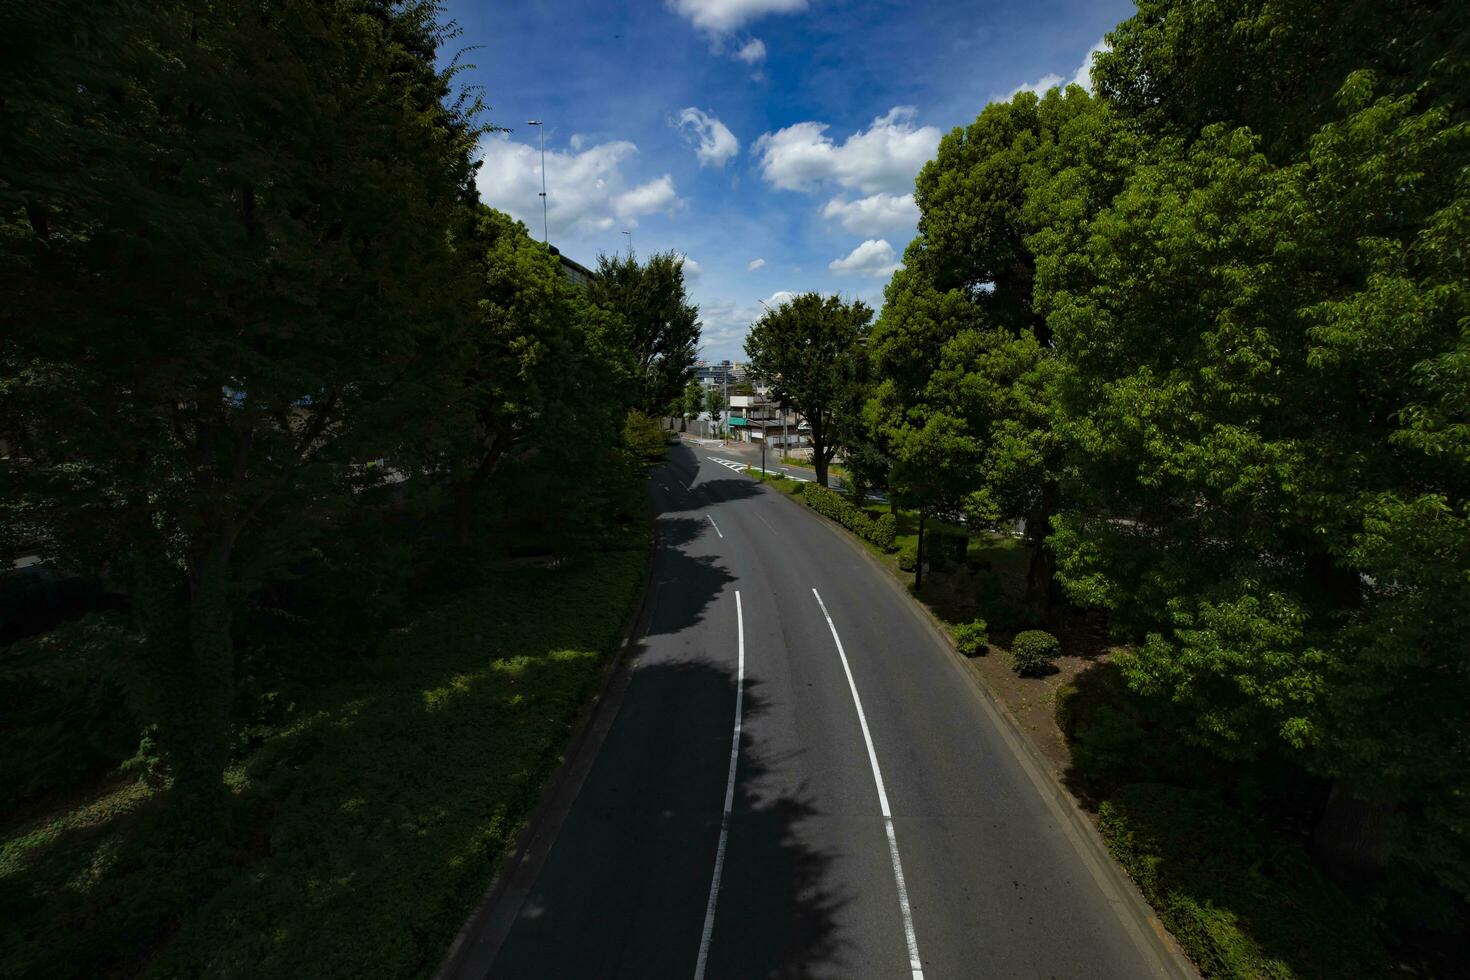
(714, 885)
(768, 524)
(715, 526)
(915, 964)
(734, 465)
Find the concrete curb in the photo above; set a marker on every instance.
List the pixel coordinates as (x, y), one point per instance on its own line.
(473, 950)
(1137, 916)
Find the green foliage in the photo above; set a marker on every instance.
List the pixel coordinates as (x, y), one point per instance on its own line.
(656, 324)
(64, 711)
(811, 349)
(829, 503)
(644, 437)
(945, 547)
(364, 823)
(883, 531)
(908, 558)
(1242, 903)
(222, 300)
(1033, 651)
(971, 638)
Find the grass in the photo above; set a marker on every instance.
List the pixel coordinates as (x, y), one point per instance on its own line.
(364, 826)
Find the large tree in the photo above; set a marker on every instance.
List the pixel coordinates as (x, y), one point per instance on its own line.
(228, 276)
(1265, 347)
(966, 361)
(812, 351)
(661, 326)
(541, 361)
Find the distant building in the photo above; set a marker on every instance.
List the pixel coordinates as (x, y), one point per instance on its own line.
(762, 420)
(719, 374)
(578, 273)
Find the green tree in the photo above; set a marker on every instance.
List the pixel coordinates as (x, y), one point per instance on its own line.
(714, 400)
(966, 362)
(692, 403)
(531, 374)
(660, 325)
(1265, 346)
(224, 247)
(812, 351)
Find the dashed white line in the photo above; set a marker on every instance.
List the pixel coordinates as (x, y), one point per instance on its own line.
(768, 524)
(915, 964)
(715, 526)
(714, 885)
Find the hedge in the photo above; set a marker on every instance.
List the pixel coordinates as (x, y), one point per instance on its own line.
(881, 531)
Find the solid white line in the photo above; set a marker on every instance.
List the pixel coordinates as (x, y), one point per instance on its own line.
(768, 524)
(915, 964)
(714, 885)
(715, 526)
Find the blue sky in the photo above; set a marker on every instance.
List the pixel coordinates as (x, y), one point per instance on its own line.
(772, 142)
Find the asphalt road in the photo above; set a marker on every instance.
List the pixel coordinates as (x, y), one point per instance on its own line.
(878, 822)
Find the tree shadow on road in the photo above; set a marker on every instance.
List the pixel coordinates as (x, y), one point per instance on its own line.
(625, 890)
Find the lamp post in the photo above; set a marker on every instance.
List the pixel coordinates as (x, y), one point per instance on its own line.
(545, 236)
(630, 245)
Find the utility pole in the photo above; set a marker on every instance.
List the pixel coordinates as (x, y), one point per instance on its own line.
(545, 236)
(630, 245)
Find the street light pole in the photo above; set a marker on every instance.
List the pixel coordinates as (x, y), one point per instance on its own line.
(545, 234)
(630, 245)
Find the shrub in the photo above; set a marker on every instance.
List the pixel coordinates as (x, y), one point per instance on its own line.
(908, 558)
(885, 532)
(1241, 901)
(830, 503)
(971, 638)
(1033, 651)
(643, 436)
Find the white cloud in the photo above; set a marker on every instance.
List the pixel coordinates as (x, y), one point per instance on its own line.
(871, 258)
(586, 189)
(722, 16)
(1082, 76)
(752, 51)
(874, 214)
(692, 269)
(713, 142)
(885, 157)
(754, 264)
(656, 195)
(576, 141)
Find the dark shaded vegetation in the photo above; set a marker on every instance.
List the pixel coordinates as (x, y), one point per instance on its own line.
(399, 707)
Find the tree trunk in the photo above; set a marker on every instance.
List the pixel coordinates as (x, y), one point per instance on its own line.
(1351, 838)
(1039, 570)
(919, 558)
(189, 678)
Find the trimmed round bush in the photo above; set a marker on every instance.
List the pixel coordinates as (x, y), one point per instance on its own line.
(1033, 651)
(971, 638)
(908, 559)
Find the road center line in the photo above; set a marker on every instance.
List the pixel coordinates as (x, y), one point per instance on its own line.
(714, 885)
(915, 964)
(768, 524)
(715, 526)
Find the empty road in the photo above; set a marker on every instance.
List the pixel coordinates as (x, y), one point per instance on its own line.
(801, 781)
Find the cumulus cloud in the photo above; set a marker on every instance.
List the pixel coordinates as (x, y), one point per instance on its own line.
(712, 140)
(723, 16)
(885, 157)
(692, 269)
(656, 195)
(752, 51)
(871, 258)
(755, 264)
(1082, 76)
(726, 322)
(875, 214)
(586, 188)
